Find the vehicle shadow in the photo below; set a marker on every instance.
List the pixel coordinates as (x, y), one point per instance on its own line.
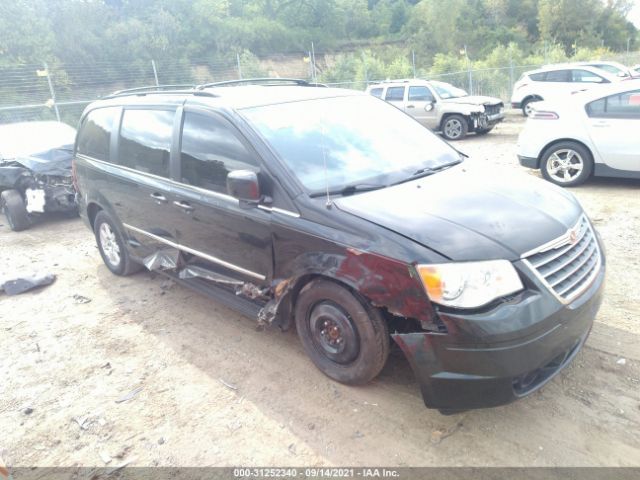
(385, 422)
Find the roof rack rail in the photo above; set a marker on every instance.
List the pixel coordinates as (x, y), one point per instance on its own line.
(161, 89)
(151, 88)
(261, 81)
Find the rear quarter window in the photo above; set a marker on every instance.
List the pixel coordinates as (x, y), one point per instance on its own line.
(94, 137)
(376, 92)
(537, 77)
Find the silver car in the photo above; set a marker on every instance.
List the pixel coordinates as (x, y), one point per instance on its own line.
(442, 107)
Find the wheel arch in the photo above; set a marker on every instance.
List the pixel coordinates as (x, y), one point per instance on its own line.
(92, 211)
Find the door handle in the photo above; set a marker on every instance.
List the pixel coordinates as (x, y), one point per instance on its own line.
(158, 197)
(183, 205)
(411, 106)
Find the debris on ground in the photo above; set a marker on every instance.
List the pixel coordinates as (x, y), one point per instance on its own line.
(28, 411)
(82, 422)
(81, 298)
(16, 286)
(129, 395)
(106, 458)
(622, 361)
(228, 385)
(440, 434)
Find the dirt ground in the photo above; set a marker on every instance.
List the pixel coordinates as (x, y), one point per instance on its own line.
(151, 373)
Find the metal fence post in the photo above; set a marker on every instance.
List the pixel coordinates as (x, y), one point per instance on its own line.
(313, 63)
(364, 65)
(239, 69)
(413, 61)
(155, 72)
(511, 73)
(51, 90)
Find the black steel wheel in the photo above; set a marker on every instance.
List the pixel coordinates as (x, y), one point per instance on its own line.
(346, 338)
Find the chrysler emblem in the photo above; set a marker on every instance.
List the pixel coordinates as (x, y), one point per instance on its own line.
(573, 237)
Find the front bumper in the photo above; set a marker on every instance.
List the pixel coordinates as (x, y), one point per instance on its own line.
(496, 357)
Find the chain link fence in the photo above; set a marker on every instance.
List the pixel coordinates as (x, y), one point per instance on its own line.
(42, 91)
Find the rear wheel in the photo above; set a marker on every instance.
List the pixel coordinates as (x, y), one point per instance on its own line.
(454, 127)
(566, 164)
(112, 247)
(345, 338)
(15, 210)
(527, 107)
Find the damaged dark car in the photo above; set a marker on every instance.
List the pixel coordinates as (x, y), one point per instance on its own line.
(338, 214)
(35, 171)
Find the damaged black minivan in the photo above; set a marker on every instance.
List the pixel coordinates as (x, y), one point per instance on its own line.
(334, 211)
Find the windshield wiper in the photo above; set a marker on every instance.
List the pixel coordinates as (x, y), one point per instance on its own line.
(426, 171)
(351, 189)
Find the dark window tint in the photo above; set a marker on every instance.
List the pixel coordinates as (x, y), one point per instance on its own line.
(420, 94)
(621, 105)
(210, 150)
(537, 77)
(95, 135)
(394, 94)
(145, 140)
(376, 92)
(558, 76)
(585, 76)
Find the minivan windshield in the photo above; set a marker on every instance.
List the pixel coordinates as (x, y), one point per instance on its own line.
(349, 142)
(446, 90)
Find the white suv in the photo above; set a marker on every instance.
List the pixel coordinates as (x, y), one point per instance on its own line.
(550, 82)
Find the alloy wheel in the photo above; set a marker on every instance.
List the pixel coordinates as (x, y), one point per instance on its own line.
(565, 165)
(453, 128)
(109, 244)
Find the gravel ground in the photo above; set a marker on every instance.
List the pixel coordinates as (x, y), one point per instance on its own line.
(101, 370)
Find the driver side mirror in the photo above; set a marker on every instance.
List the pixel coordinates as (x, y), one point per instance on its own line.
(429, 106)
(243, 185)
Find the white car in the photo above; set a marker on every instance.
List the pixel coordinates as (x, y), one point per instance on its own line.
(590, 133)
(556, 81)
(614, 68)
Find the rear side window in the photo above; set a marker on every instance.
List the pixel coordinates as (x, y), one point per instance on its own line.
(558, 76)
(585, 76)
(95, 135)
(420, 94)
(621, 105)
(376, 92)
(394, 94)
(145, 140)
(210, 150)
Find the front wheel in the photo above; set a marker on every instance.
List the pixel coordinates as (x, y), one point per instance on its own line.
(483, 131)
(566, 164)
(454, 127)
(345, 338)
(112, 247)
(15, 210)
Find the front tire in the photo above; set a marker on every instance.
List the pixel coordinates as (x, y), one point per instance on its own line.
(15, 210)
(112, 247)
(483, 131)
(567, 164)
(345, 338)
(454, 127)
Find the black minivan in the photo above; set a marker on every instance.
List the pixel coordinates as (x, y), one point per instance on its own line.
(334, 211)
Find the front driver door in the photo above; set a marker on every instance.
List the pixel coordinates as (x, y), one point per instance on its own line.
(614, 123)
(421, 106)
(211, 224)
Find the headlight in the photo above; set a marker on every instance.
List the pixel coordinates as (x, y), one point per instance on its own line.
(469, 284)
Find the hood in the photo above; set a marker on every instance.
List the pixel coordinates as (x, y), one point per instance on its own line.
(474, 100)
(464, 215)
(55, 162)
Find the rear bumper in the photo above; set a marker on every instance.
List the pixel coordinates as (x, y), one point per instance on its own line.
(529, 162)
(496, 357)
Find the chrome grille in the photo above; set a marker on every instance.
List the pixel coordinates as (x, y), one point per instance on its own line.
(568, 265)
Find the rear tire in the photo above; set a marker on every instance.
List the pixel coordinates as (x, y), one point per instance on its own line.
(526, 105)
(483, 131)
(112, 247)
(345, 338)
(454, 127)
(15, 210)
(567, 164)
